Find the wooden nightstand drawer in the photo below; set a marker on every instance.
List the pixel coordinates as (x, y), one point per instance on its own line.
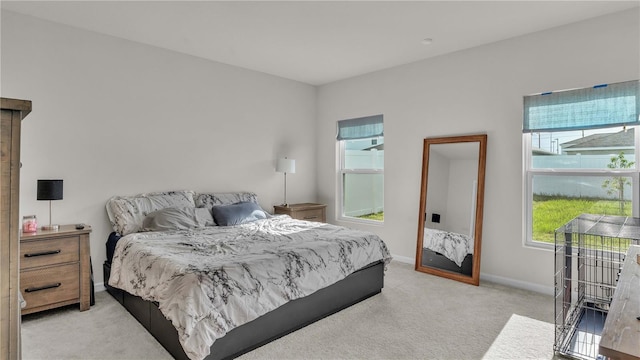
(304, 211)
(310, 215)
(50, 285)
(49, 252)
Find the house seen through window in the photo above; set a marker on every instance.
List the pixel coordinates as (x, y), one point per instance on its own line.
(581, 156)
(361, 180)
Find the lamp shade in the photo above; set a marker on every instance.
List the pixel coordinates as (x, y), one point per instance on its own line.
(286, 166)
(49, 189)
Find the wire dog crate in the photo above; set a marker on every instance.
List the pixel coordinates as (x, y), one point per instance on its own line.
(589, 252)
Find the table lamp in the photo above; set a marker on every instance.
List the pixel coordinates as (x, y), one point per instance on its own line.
(286, 166)
(50, 190)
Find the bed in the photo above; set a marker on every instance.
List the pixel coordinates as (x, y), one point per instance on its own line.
(447, 251)
(214, 276)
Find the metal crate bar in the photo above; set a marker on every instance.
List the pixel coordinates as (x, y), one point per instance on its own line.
(589, 253)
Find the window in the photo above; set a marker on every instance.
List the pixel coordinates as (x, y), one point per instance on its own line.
(361, 169)
(580, 156)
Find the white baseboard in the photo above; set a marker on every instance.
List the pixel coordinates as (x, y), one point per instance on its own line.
(97, 287)
(404, 259)
(547, 290)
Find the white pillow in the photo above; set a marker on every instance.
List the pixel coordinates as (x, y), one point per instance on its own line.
(209, 200)
(126, 213)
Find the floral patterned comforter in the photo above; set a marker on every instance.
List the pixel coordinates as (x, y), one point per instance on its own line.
(208, 281)
(452, 245)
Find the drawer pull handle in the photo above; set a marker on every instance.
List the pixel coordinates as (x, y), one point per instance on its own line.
(310, 217)
(50, 286)
(51, 252)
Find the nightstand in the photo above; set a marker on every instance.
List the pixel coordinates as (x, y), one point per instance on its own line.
(55, 268)
(304, 211)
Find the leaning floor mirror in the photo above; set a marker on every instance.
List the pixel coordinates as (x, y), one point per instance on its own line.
(451, 203)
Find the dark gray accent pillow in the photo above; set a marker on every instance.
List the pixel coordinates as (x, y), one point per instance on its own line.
(177, 219)
(238, 213)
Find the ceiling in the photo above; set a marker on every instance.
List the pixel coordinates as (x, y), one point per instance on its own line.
(316, 42)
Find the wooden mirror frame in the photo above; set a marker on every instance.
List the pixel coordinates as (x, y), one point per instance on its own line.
(474, 279)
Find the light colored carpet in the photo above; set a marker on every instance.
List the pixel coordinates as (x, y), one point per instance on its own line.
(527, 337)
(107, 331)
(417, 316)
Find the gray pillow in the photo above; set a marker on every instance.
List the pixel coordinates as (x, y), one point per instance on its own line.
(238, 213)
(177, 219)
(127, 213)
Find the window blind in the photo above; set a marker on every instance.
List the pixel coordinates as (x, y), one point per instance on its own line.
(590, 108)
(360, 128)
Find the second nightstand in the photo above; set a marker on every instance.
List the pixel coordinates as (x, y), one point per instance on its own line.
(304, 211)
(55, 268)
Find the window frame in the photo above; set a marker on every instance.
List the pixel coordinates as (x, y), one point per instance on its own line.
(529, 173)
(341, 174)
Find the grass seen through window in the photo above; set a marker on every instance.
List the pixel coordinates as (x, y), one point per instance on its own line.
(379, 216)
(550, 213)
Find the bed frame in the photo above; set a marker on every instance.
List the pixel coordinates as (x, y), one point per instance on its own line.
(437, 260)
(289, 317)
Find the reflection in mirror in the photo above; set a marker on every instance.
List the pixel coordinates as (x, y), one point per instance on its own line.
(451, 202)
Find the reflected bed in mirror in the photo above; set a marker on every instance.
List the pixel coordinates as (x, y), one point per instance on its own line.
(451, 203)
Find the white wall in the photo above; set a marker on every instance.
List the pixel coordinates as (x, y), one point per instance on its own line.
(478, 90)
(113, 117)
(437, 190)
(451, 193)
(463, 179)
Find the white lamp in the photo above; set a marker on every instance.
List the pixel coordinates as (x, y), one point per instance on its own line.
(286, 166)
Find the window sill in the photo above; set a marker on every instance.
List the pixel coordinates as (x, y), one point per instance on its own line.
(539, 245)
(354, 220)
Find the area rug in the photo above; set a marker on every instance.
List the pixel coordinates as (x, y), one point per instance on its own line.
(523, 338)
